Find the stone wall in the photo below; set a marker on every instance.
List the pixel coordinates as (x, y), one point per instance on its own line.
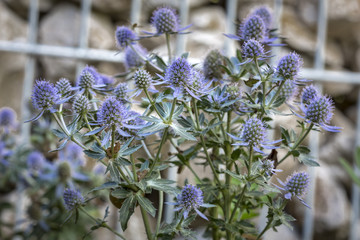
(60, 22)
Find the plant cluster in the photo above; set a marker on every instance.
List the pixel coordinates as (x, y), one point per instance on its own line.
(44, 178)
(215, 113)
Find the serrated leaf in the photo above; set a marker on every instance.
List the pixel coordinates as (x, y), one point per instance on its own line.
(106, 185)
(94, 155)
(308, 161)
(182, 132)
(130, 150)
(349, 169)
(150, 119)
(120, 193)
(58, 133)
(126, 210)
(146, 204)
(162, 185)
(239, 177)
(95, 131)
(153, 128)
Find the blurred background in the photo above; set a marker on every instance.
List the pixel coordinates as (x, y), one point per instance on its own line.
(325, 33)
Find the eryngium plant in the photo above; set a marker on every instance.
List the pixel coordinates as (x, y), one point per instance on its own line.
(216, 115)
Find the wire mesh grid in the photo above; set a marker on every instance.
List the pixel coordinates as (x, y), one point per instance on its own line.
(84, 53)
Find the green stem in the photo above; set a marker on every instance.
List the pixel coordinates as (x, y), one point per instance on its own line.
(157, 157)
(228, 125)
(277, 92)
(267, 227)
(66, 131)
(203, 143)
(146, 149)
(263, 82)
(159, 217)
(102, 223)
(145, 60)
(146, 223)
(297, 143)
(153, 104)
(93, 136)
(237, 203)
(113, 142)
(133, 167)
(250, 160)
(168, 45)
(195, 174)
(172, 110)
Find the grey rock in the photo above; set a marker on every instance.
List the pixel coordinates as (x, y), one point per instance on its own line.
(331, 210)
(208, 19)
(12, 65)
(303, 39)
(61, 27)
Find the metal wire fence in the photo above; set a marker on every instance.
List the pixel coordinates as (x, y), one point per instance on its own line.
(84, 53)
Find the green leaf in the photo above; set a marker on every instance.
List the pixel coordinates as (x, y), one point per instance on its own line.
(126, 210)
(251, 82)
(105, 186)
(153, 128)
(58, 133)
(94, 155)
(357, 156)
(308, 161)
(120, 193)
(150, 119)
(95, 131)
(162, 185)
(160, 62)
(130, 150)
(236, 154)
(146, 204)
(182, 132)
(349, 169)
(239, 177)
(303, 149)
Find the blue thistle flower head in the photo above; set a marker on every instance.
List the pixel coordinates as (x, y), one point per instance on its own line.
(133, 125)
(179, 76)
(142, 79)
(7, 118)
(112, 112)
(233, 91)
(44, 95)
(253, 132)
(253, 28)
(296, 186)
(81, 104)
(289, 66)
(211, 65)
(252, 49)
(199, 85)
(190, 198)
(35, 161)
(132, 59)
(308, 94)
(72, 199)
(253, 135)
(121, 93)
(124, 36)
(165, 20)
(74, 153)
(63, 87)
(268, 168)
(289, 90)
(320, 111)
(86, 79)
(264, 13)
